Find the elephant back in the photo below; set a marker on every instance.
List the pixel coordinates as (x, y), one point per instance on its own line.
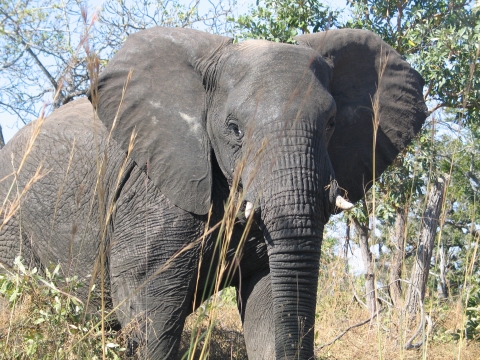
(66, 170)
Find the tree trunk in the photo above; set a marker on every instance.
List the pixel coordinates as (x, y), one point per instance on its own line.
(429, 224)
(398, 255)
(371, 299)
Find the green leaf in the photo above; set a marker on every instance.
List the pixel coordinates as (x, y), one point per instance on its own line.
(39, 321)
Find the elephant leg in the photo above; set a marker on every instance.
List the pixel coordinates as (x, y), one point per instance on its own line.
(153, 267)
(14, 242)
(156, 313)
(256, 310)
(154, 302)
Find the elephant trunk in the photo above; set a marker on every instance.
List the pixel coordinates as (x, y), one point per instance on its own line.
(294, 264)
(295, 206)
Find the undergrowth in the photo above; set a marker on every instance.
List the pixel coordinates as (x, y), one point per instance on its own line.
(41, 318)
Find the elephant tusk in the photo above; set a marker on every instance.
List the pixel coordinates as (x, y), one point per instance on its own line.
(343, 204)
(248, 209)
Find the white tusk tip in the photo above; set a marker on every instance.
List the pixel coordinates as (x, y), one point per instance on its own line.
(248, 209)
(343, 204)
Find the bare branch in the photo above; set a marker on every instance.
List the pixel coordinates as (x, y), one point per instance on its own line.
(44, 70)
(435, 108)
(71, 95)
(409, 345)
(14, 110)
(463, 227)
(430, 87)
(11, 63)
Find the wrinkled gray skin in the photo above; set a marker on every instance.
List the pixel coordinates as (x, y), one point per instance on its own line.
(199, 105)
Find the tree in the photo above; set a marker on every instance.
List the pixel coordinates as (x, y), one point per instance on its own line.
(363, 231)
(2, 142)
(440, 38)
(42, 60)
(120, 18)
(45, 44)
(428, 229)
(398, 251)
(282, 20)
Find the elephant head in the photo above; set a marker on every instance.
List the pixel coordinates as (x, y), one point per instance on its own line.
(299, 116)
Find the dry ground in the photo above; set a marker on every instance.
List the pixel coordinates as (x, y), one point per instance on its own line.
(366, 342)
(382, 338)
(336, 311)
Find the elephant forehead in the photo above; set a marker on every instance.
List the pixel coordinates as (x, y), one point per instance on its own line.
(258, 69)
(268, 50)
(261, 62)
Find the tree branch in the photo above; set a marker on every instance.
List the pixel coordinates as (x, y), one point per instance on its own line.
(461, 226)
(11, 63)
(44, 70)
(14, 110)
(435, 108)
(430, 87)
(71, 95)
(409, 345)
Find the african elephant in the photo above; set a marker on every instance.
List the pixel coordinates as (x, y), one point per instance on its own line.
(289, 121)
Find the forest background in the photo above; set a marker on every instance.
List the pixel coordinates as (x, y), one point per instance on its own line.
(404, 264)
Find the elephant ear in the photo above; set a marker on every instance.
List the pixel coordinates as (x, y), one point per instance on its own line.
(366, 70)
(164, 104)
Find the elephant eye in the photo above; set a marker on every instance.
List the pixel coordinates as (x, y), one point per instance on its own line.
(330, 124)
(233, 127)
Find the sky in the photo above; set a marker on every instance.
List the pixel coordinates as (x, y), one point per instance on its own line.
(10, 123)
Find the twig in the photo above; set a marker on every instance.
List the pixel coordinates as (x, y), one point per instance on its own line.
(42, 67)
(350, 328)
(463, 227)
(408, 345)
(435, 108)
(355, 297)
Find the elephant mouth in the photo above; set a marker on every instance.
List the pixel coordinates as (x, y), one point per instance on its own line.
(336, 199)
(248, 209)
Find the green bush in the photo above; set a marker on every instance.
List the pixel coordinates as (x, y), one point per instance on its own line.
(43, 320)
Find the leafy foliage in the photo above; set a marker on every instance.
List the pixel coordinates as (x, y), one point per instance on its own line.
(441, 37)
(43, 59)
(47, 321)
(442, 40)
(472, 323)
(282, 20)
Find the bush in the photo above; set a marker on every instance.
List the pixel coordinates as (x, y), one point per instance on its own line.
(42, 319)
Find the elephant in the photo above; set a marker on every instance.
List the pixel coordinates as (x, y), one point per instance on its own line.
(179, 122)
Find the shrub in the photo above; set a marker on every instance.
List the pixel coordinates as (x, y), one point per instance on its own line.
(44, 320)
